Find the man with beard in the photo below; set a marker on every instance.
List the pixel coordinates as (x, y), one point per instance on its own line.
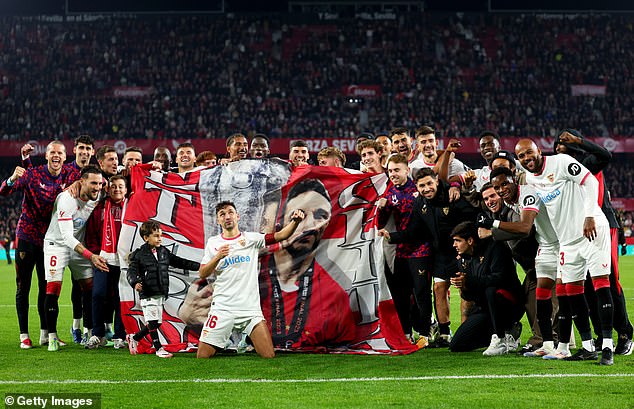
(434, 216)
(489, 146)
(164, 157)
(237, 147)
(83, 150)
(259, 147)
(232, 257)
(40, 185)
(444, 164)
(523, 246)
(108, 160)
(527, 204)
(63, 247)
(570, 194)
(596, 158)
(303, 304)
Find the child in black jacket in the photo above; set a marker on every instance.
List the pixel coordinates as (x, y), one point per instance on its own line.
(148, 273)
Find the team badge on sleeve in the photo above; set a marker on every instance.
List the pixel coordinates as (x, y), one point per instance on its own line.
(574, 169)
(529, 200)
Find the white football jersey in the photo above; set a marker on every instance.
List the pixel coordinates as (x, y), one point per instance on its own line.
(236, 288)
(455, 166)
(482, 176)
(68, 222)
(528, 200)
(558, 186)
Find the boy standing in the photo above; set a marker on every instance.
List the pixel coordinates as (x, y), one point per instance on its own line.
(232, 257)
(148, 274)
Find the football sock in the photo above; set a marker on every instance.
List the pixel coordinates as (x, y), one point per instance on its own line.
(86, 301)
(445, 327)
(154, 325)
(76, 323)
(565, 320)
(52, 336)
(544, 318)
(581, 316)
(141, 334)
(588, 345)
(608, 343)
(23, 337)
(52, 311)
(75, 298)
(563, 347)
(606, 311)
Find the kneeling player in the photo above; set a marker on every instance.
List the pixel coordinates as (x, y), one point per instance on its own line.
(233, 257)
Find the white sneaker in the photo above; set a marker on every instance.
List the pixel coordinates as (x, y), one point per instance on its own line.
(132, 344)
(539, 352)
(496, 347)
(511, 343)
(162, 353)
(119, 343)
(95, 342)
(26, 344)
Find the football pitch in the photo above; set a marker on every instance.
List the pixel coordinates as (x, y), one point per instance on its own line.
(430, 378)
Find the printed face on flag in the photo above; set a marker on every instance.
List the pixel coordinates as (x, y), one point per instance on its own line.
(311, 196)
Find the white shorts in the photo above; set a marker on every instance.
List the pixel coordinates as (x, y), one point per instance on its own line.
(153, 308)
(594, 256)
(220, 324)
(57, 258)
(546, 262)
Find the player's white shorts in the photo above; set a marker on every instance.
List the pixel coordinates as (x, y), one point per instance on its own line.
(220, 324)
(594, 256)
(153, 308)
(57, 258)
(546, 262)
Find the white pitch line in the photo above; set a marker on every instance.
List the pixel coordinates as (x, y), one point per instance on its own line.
(316, 380)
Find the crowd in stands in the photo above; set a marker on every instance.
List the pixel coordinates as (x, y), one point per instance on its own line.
(210, 76)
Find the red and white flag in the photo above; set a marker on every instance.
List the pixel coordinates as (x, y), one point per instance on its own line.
(323, 290)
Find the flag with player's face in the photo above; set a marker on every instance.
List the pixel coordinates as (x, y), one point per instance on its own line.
(323, 289)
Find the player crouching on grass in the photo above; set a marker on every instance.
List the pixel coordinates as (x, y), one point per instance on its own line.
(148, 273)
(486, 276)
(232, 257)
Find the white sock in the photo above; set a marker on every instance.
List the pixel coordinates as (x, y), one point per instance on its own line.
(76, 323)
(52, 336)
(608, 343)
(108, 327)
(549, 345)
(24, 336)
(43, 333)
(588, 345)
(563, 347)
(87, 331)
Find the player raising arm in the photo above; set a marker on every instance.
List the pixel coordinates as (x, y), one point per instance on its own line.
(232, 257)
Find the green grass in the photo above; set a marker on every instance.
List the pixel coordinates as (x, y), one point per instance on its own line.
(428, 378)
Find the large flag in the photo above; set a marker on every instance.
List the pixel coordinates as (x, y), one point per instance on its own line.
(323, 290)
